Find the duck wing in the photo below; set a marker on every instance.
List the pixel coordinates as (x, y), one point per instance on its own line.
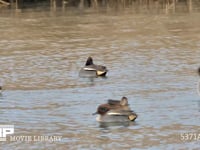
(113, 102)
(117, 102)
(131, 115)
(101, 68)
(120, 112)
(90, 68)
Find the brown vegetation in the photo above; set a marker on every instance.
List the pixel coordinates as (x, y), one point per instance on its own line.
(166, 4)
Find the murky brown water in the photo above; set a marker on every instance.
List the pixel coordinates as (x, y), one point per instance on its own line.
(152, 59)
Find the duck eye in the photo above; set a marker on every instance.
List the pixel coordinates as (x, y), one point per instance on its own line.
(104, 109)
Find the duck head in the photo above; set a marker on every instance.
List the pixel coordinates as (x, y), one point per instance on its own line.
(124, 101)
(89, 61)
(102, 109)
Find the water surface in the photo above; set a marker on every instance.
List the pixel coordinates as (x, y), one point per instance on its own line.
(152, 60)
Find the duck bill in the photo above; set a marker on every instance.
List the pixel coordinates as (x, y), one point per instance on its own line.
(95, 113)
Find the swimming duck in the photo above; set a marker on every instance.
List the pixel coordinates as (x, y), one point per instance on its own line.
(115, 111)
(199, 70)
(92, 69)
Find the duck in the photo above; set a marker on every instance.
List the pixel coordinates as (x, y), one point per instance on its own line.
(199, 71)
(93, 70)
(115, 111)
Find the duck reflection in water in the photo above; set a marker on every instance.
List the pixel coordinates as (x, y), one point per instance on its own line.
(107, 125)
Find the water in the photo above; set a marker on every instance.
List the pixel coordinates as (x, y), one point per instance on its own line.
(152, 60)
